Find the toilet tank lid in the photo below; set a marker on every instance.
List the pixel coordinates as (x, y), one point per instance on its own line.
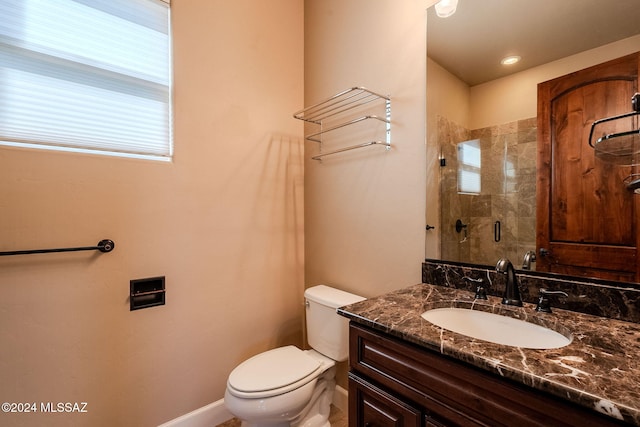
(331, 297)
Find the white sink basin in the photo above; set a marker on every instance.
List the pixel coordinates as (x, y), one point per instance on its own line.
(496, 328)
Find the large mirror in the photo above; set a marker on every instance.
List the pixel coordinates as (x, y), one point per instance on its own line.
(484, 207)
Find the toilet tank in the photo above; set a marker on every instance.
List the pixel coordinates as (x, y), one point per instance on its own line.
(327, 331)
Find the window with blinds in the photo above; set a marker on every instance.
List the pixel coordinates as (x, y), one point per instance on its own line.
(86, 75)
(469, 167)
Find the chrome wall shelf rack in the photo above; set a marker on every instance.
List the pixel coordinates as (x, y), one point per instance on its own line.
(337, 112)
(621, 148)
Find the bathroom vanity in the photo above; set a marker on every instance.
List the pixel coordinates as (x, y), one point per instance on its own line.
(405, 371)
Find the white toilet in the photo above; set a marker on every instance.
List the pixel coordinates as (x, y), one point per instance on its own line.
(287, 386)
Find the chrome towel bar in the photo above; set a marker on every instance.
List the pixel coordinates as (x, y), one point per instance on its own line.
(338, 103)
(353, 147)
(105, 245)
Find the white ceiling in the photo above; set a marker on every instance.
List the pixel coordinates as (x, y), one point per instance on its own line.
(471, 43)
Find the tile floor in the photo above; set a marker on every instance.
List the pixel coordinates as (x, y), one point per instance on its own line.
(337, 418)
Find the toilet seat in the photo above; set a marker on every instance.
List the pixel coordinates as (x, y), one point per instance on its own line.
(273, 372)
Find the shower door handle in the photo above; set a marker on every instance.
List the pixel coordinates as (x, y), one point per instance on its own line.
(497, 231)
(461, 226)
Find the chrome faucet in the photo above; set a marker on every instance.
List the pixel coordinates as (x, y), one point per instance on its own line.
(511, 291)
(529, 257)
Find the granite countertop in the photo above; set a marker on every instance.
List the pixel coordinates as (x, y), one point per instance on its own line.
(599, 370)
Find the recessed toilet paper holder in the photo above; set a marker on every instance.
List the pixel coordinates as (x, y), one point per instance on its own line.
(147, 292)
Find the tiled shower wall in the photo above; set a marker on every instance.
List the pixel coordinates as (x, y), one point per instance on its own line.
(507, 195)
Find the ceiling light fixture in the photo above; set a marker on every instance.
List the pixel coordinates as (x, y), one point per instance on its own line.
(510, 60)
(446, 8)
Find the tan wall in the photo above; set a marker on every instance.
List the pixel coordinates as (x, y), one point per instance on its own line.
(364, 210)
(223, 222)
(515, 97)
(447, 96)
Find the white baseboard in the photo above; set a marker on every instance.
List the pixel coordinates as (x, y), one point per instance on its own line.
(341, 399)
(208, 416)
(216, 413)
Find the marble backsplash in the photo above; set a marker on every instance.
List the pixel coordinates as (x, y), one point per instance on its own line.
(591, 296)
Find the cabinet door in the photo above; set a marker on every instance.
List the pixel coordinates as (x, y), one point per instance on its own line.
(371, 407)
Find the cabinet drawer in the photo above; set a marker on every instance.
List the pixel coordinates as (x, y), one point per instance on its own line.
(371, 407)
(457, 392)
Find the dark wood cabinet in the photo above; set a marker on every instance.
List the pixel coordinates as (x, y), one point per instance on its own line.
(393, 383)
(375, 407)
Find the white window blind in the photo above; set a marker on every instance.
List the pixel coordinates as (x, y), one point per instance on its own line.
(469, 167)
(86, 74)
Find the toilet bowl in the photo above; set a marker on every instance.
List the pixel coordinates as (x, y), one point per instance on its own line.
(288, 386)
(274, 388)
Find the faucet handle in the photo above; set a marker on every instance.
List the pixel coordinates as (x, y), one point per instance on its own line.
(481, 292)
(544, 305)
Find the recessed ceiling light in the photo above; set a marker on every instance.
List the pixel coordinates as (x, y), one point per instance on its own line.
(510, 60)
